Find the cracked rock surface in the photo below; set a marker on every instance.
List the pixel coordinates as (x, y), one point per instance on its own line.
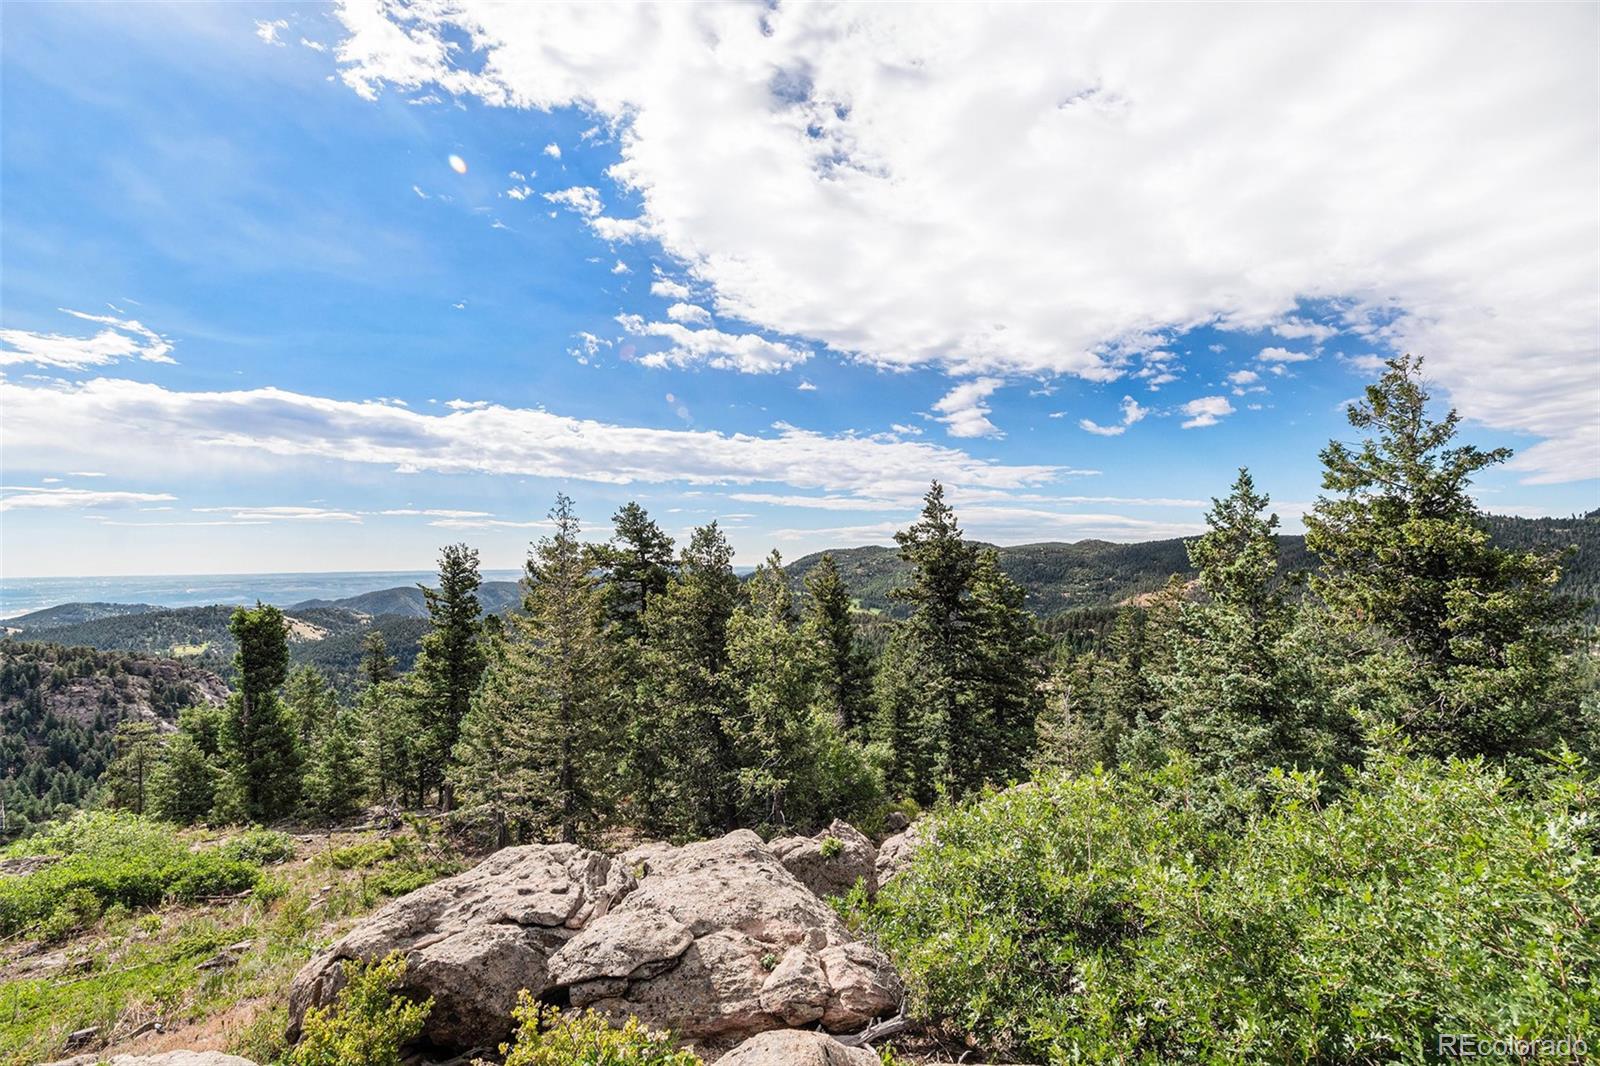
(715, 940)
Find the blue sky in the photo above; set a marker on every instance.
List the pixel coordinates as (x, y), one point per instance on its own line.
(778, 267)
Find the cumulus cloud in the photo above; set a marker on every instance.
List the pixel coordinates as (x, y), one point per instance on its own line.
(746, 352)
(1460, 225)
(27, 497)
(125, 338)
(584, 199)
(1131, 412)
(127, 425)
(1206, 411)
(965, 410)
(553, 151)
(268, 30)
(1283, 355)
(691, 314)
(668, 289)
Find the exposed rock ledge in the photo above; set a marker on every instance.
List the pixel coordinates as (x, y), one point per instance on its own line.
(715, 940)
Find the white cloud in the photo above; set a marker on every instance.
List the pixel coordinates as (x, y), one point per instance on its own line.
(1283, 355)
(521, 192)
(668, 289)
(1301, 329)
(433, 512)
(125, 339)
(268, 31)
(805, 386)
(134, 426)
(282, 513)
(1131, 412)
(28, 497)
(1459, 225)
(553, 151)
(621, 268)
(315, 46)
(745, 352)
(418, 190)
(584, 199)
(1244, 377)
(964, 409)
(1206, 411)
(691, 314)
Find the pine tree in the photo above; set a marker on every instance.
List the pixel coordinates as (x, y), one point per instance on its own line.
(1235, 692)
(309, 701)
(391, 738)
(1463, 639)
(688, 695)
(183, 786)
(940, 642)
(1009, 677)
(638, 565)
(129, 776)
(333, 780)
(845, 674)
(258, 741)
(775, 669)
(448, 667)
(547, 702)
(377, 665)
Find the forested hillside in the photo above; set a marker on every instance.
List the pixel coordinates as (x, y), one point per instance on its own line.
(59, 712)
(1095, 573)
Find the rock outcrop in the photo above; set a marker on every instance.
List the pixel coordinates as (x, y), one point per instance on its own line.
(473, 940)
(831, 862)
(716, 940)
(796, 1047)
(894, 854)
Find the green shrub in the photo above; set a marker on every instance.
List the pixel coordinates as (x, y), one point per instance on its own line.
(831, 847)
(367, 1024)
(116, 859)
(260, 847)
(547, 1037)
(1097, 918)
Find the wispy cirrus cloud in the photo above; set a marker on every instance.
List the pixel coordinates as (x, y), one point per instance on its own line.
(124, 338)
(29, 497)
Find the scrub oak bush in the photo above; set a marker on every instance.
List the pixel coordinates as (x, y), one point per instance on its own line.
(547, 1037)
(105, 858)
(1096, 918)
(367, 1024)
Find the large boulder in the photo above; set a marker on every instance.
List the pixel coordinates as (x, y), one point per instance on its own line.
(718, 942)
(715, 940)
(895, 853)
(796, 1047)
(474, 940)
(831, 862)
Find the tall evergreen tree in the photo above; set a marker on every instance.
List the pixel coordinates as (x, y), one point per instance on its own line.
(1463, 639)
(540, 739)
(775, 668)
(688, 692)
(449, 665)
(258, 740)
(1009, 681)
(1235, 691)
(844, 671)
(377, 665)
(333, 780)
(129, 777)
(183, 786)
(309, 701)
(638, 564)
(941, 641)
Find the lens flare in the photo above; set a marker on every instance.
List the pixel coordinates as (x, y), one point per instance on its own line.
(458, 164)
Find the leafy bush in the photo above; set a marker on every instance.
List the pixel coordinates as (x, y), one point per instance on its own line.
(367, 1024)
(260, 847)
(107, 859)
(1097, 918)
(547, 1037)
(831, 847)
